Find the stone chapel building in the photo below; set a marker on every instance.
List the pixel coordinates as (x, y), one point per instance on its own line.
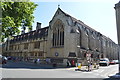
(64, 39)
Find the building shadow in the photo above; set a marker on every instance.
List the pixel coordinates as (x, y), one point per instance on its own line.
(25, 65)
(114, 77)
(29, 65)
(111, 79)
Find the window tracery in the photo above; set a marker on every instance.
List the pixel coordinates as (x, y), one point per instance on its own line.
(58, 34)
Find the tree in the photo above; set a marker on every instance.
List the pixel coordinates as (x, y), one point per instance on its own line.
(13, 14)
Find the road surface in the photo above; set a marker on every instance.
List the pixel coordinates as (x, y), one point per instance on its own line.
(31, 70)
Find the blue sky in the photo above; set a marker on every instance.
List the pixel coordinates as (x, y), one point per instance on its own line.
(100, 15)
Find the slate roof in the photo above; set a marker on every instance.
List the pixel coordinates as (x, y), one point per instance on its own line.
(77, 21)
(86, 26)
(40, 33)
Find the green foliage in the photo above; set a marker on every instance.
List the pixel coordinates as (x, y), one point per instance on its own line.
(13, 13)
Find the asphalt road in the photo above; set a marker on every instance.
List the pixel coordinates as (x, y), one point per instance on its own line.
(31, 70)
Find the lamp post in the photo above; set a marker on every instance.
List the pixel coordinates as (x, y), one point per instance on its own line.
(44, 46)
(117, 9)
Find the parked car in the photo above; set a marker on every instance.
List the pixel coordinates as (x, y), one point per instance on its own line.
(112, 62)
(4, 60)
(116, 61)
(9, 58)
(104, 61)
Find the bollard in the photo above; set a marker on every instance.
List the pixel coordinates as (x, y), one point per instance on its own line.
(94, 65)
(79, 66)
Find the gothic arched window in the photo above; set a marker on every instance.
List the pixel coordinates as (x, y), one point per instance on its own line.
(58, 34)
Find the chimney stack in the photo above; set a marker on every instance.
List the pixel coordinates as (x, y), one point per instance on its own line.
(38, 26)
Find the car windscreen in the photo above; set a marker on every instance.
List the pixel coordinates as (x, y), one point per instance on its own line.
(102, 60)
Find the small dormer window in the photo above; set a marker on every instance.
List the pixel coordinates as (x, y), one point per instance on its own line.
(75, 23)
(83, 28)
(87, 31)
(80, 26)
(72, 31)
(92, 34)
